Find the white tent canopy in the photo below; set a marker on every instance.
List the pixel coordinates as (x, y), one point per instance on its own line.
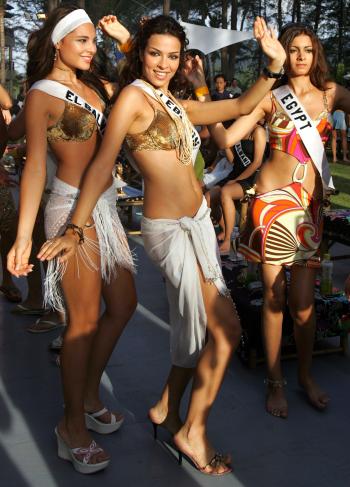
(209, 39)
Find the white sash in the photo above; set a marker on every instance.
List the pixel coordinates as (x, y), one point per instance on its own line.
(174, 108)
(243, 157)
(54, 88)
(307, 130)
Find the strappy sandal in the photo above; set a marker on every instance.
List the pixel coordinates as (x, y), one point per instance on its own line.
(20, 309)
(43, 326)
(273, 385)
(73, 455)
(93, 423)
(217, 460)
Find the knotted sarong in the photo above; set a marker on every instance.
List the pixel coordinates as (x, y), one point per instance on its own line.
(178, 247)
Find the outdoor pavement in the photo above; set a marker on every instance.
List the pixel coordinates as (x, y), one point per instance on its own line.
(309, 449)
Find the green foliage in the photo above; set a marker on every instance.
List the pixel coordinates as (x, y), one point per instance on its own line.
(329, 17)
(341, 177)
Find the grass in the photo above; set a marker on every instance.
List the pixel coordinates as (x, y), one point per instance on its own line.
(341, 178)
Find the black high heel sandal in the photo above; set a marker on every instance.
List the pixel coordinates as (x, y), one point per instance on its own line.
(155, 430)
(217, 459)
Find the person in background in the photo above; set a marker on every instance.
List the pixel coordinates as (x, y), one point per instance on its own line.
(234, 88)
(339, 128)
(246, 157)
(220, 92)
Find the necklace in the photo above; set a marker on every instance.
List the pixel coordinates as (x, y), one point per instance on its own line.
(184, 144)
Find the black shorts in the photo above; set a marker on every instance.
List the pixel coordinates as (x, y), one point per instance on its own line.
(244, 183)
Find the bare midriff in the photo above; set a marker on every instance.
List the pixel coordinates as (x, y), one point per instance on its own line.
(278, 170)
(171, 188)
(73, 159)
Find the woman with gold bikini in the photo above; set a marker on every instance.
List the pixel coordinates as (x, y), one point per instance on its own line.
(284, 227)
(64, 108)
(177, 231)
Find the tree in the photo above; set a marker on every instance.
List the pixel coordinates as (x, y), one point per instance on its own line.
(166, 7)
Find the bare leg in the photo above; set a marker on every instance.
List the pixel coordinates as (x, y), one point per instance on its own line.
(301, 305)
(166, 411)
(272, 319)
(82, 296)
(223, 337)
(344, 144)
(334, 145)
(230, 192)
(120, 300)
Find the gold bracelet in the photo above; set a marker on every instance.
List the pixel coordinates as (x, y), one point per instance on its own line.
(201, 91)
(76, 231)
(126, 46)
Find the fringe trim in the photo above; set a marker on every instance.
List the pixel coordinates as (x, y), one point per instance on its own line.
(111, 245)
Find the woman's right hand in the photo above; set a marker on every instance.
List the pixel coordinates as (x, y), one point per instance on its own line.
(64, 247)
(110, 25)
(194, 71)
(18, 257)
(269, 43)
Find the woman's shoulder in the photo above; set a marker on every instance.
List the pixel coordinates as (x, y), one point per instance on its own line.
(132, 94)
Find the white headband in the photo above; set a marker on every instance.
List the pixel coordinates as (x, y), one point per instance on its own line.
(69, 23)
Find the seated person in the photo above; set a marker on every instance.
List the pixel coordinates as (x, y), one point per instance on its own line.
(246, 156)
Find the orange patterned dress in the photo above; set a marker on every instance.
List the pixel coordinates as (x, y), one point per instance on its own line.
(284, 226)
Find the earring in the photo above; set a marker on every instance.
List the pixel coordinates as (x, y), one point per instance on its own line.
(55, 56)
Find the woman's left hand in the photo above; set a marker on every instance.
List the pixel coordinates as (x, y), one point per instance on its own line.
(266, 36)
(65, 246)
(111, 26)
(194, 71)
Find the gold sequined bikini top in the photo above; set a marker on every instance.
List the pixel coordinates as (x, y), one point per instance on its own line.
(75, 124)
(160, 135)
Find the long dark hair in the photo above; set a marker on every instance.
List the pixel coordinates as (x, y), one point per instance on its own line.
(161, 24)
(319, 74)
(41, 53)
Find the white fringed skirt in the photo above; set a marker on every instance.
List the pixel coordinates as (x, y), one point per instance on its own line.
(111, 245)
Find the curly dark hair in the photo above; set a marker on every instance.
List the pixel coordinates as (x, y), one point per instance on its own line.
(41, 53)
(161, 24)
(319, 74)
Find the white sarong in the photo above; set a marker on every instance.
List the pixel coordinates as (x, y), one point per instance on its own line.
(176, 246)
(112, 245)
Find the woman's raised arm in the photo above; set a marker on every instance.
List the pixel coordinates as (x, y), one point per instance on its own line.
(235, 132)
(218, 111)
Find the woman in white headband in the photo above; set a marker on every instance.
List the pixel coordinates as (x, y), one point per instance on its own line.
(177, 230)
(64, 108)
